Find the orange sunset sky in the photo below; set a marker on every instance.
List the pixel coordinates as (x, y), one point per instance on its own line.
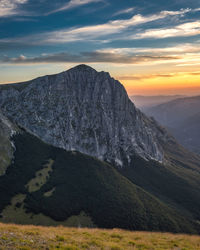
(139, 80)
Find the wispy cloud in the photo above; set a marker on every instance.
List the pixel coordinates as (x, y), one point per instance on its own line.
(188, 64)
(87, 57)
(186, 54)
(112, 27)
(73, 4)
(170, 50)
(10, 7)
(182, 30)
(94, 32)
(125, 11)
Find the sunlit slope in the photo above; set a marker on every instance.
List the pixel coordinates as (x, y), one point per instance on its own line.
(32, 237)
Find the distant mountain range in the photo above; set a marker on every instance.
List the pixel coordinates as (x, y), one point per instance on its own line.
(143, 102)
(74, 147)
(182, 118)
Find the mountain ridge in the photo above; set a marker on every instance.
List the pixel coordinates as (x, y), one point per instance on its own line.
(144, 102)
(182, 118)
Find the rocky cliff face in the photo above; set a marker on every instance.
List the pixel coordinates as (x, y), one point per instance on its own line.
(7, 129)
(83, 110)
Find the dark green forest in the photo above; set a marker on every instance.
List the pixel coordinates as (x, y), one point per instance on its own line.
(112, 197)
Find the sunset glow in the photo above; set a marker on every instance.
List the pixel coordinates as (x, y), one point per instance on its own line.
(151, 48)
(183, 83)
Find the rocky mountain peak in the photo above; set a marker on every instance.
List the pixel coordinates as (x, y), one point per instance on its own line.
(83, 110)
(82, 68)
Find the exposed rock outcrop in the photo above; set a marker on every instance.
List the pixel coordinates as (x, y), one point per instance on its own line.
(7, 129)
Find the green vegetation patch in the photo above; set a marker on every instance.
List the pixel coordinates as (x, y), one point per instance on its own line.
(40, 178)
(15, 212)
(50, 192)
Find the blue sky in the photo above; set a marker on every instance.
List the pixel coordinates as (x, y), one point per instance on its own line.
(137, 41)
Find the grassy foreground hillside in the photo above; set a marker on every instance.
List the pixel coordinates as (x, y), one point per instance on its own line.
(37, 237)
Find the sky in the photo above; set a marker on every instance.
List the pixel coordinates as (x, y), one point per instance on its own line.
(151, 46)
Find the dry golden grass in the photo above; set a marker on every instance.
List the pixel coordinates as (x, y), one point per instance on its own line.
(37, 237)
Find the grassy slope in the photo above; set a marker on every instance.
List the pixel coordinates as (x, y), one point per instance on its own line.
(82, 183)
(32, 237)
(167, 184)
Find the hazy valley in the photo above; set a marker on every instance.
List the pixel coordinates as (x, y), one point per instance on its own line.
(182, 119)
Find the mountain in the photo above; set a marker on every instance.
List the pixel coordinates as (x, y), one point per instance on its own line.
(143, 102)
(79, 153)
(182, 118)
(82, 110)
